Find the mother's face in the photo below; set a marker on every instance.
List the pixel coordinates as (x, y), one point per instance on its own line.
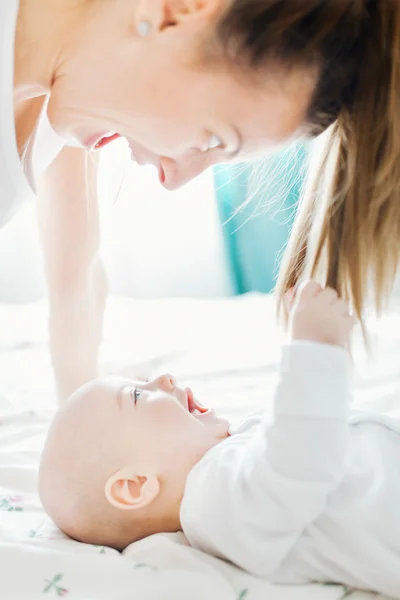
(177, 112)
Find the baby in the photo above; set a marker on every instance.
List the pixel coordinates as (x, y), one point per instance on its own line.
(312, 495)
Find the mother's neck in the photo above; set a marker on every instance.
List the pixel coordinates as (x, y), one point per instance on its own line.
(45, 28)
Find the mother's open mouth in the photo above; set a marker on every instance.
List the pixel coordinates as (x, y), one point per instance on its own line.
(99, 141)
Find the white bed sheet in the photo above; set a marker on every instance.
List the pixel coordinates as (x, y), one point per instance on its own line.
(228, 351)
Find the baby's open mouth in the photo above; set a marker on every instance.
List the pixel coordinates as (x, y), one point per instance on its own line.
(193, 406)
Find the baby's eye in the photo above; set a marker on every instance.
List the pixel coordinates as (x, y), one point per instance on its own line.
(135, 394)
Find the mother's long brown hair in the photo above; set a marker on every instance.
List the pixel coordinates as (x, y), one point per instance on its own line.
(347, 230)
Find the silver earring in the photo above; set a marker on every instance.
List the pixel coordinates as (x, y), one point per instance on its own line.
(143, 28)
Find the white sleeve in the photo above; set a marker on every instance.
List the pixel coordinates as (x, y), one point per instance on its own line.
(251, 497)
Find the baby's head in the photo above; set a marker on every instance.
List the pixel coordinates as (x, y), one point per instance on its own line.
(117, 456)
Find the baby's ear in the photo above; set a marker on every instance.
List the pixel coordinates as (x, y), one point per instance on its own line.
(127, 490)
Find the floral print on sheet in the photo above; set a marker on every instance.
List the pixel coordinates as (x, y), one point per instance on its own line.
(11, 503)
(36, 535)
(54, 587)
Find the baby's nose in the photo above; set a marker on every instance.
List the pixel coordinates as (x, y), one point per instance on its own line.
(166, 382)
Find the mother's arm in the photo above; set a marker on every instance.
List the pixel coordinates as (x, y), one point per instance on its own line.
(77, 284)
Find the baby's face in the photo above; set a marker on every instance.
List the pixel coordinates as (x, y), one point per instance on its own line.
(166, 398)
(161, 411)
(156, 425)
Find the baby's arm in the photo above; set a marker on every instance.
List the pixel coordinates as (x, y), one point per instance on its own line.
(307, 442)
(261, 493)
(306, 445)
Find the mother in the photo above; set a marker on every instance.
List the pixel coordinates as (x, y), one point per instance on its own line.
(191, 83)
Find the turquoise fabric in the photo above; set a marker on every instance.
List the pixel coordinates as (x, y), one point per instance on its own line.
(255, 231)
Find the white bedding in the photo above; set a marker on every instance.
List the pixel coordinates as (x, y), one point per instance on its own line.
(228, 351)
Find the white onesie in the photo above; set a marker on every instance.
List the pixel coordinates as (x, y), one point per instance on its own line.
(313, 495)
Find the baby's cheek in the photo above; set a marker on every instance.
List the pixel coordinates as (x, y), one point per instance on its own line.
(166, 416)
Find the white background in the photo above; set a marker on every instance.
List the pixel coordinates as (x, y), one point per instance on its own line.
(155, 243)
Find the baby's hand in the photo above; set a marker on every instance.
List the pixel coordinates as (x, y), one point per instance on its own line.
(319, 315)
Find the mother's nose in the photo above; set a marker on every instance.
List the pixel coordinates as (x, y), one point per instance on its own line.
(180, 171)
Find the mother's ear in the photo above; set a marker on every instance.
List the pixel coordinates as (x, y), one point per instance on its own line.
(157, 16)
(127, 490)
